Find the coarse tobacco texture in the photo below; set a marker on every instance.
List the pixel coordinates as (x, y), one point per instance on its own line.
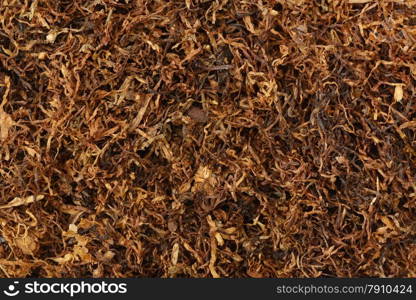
(207, 138)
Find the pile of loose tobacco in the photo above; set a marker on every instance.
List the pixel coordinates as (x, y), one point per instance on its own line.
(195, 138)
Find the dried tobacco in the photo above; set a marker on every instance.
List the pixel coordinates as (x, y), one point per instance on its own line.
(207, 138)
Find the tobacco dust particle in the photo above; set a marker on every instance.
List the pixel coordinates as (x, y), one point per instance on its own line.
(198, 114)
(172, 225)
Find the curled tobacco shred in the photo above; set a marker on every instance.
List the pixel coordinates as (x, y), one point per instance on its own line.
(207, 138)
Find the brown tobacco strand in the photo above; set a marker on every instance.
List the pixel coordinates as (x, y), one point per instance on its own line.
(218, 68)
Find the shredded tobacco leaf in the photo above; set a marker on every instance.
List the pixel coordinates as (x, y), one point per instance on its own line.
(196, 138)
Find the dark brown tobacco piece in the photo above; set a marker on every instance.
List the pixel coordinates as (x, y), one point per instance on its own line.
(207, 138)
